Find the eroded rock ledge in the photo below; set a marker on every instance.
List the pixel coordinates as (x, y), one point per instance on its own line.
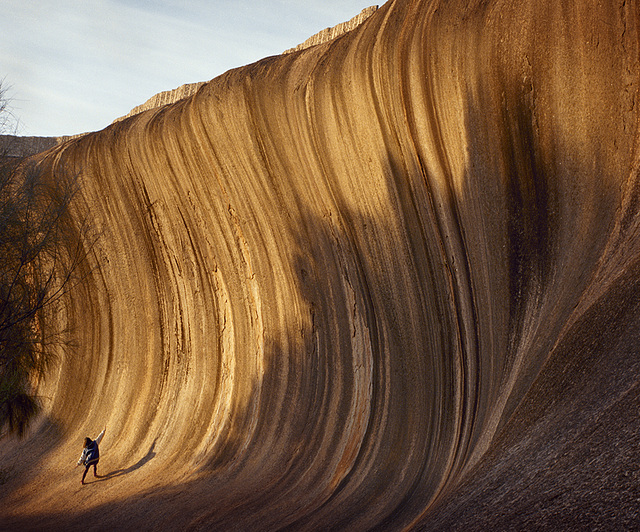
(164, 98)
(329, 34)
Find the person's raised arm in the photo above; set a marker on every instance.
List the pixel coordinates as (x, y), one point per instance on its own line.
(99, 438)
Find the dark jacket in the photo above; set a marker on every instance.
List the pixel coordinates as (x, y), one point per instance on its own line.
(91, 453)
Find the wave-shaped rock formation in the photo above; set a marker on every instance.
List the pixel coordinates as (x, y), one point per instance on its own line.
(390, 281)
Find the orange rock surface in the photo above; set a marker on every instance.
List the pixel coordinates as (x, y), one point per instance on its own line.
(388, 281)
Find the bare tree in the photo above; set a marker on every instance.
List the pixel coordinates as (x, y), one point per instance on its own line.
(41, 249)
(7, 120)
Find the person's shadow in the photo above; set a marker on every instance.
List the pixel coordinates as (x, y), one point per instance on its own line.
(130, 469)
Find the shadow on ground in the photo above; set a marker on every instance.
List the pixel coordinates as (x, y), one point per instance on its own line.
(120, 472)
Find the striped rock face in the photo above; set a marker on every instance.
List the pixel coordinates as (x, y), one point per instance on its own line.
(388, 281)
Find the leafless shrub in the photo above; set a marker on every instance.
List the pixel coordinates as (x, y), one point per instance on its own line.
(41, 249)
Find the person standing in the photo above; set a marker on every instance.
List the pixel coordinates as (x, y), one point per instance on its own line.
(90, 454)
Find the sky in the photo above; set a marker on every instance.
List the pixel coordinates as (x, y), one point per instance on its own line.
(72, 66)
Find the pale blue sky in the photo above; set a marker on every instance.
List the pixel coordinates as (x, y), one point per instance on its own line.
(73, 66)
